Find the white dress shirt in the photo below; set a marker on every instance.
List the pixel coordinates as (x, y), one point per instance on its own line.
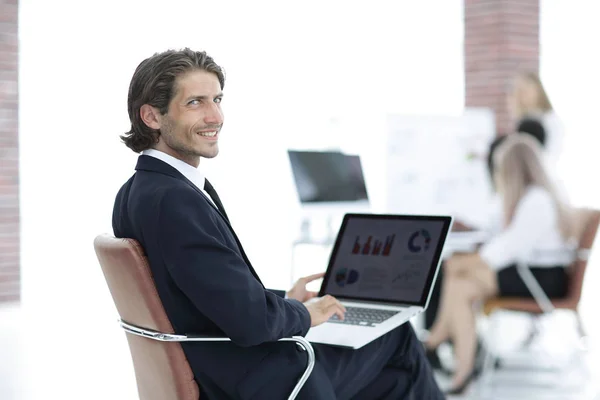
(194, 175)
(533, 237)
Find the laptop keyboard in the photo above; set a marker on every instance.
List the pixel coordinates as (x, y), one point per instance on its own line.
(363, 316)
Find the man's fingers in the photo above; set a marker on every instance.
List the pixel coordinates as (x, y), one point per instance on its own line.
(340, 305)
(324, 309)
(330, 300)
(335, 309)
(341, 312)
(310, 295)
(327, 299)
(313, 277)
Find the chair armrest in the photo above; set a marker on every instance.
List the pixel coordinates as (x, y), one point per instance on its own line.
(583, 254)
(534, 287)
(171, 337)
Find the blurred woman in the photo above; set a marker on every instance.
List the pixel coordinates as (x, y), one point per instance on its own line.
(528, 100)
(527, 126)
(536, 232)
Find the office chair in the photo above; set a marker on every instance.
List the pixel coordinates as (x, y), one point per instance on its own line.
(587, 222)
(161, 368)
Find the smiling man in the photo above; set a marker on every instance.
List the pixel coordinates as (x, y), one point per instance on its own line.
(190, 128)
(202, 274)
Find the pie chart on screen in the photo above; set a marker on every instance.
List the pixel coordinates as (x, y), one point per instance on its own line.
(345, 276)
(419, 241)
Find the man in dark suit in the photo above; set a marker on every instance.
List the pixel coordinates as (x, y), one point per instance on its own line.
(203, 277)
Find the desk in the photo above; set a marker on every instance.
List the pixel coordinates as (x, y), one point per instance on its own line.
(464, 242)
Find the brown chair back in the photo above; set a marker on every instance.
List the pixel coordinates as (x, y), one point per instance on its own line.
(586, 224)
(161, 369)
(588, 221)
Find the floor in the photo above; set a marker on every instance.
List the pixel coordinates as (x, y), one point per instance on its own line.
(11, 370)
(53, 357)
(548, 369)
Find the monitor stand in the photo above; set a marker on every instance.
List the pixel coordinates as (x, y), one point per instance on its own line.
(317, 229)
(308, 227)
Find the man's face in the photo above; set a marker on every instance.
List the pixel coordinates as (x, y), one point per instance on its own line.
(190, 129)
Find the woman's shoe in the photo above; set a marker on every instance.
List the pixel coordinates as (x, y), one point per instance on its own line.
(460, 388)
(434, 361)
(433, 358)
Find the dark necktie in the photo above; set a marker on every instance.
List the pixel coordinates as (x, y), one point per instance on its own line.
(215, 197)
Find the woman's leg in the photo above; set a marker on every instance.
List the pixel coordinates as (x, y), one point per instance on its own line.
(440, 330)
(486, 277)
(478, 272)
(477, 283)
(462, 328)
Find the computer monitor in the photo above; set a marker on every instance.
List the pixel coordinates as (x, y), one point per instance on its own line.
(329, 179)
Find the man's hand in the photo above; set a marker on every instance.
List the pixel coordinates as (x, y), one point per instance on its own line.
(323, 309)
(299, 292)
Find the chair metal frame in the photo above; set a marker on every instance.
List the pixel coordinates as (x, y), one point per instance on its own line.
(534, 287)
(171, 337)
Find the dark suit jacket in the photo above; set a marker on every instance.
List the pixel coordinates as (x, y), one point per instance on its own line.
(208, 286)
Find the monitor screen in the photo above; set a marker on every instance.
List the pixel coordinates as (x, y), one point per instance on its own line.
(389, 258)
(327, 176)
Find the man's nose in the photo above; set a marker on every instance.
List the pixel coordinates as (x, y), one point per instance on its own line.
(214, 115)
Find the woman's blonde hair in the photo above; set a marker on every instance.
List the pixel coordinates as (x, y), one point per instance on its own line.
(518, 167)
(543, 101)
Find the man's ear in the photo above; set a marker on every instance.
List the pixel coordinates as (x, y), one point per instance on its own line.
(151, 116)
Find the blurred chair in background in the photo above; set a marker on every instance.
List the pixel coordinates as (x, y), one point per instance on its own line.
(586, 224)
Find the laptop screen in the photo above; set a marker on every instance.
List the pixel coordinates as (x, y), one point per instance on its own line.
(392, 258)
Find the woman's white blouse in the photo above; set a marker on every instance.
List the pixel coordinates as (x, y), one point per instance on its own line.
(533, 237)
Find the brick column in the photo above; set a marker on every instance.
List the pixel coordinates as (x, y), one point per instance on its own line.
(9, 153)
(501, 38)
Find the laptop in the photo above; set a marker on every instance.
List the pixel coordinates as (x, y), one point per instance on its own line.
(382, 269)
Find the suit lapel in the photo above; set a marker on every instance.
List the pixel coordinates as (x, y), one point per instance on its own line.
(149, 163)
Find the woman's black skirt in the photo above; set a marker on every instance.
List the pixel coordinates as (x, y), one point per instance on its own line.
(553, 281)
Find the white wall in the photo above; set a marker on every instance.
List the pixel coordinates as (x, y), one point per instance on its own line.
(570, 70)
(290, 70)
(569, 63)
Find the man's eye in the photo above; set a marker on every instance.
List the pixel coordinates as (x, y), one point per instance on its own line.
(194, 102)
(218, 99)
